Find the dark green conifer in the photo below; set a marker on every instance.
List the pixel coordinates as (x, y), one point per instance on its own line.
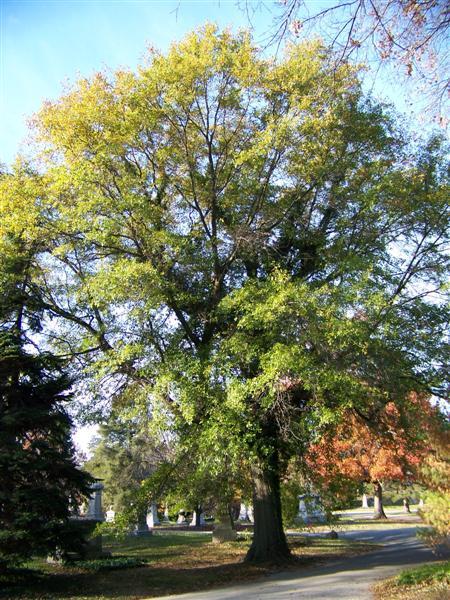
(40, 482)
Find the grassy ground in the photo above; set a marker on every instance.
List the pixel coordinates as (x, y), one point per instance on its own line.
(175, 563)
(350, 522)
(352, 525)
(390, 508)
(429, 582)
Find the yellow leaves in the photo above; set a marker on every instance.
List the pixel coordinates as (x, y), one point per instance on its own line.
(200, 67)
(235, 396)
(309, 77)
(19, 204)
(89, 120)
(436, 512)
(123, 280)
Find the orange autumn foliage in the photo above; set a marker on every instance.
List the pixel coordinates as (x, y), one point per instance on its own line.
(391, 446)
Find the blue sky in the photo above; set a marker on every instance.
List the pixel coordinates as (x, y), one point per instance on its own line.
(44, 43)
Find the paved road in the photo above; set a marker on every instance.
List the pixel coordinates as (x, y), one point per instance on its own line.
(347, 579)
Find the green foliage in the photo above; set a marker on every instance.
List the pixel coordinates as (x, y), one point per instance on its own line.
(435, 475)
(120, 528)
(436, 512)
(241, 249)
(425, 574)
(290, 490)
(124, 455)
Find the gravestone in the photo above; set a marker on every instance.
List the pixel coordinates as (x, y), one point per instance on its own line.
(152, 516)
(141, 527)
(250, 514)
(201, 520)
(181, 518)
(309, 509)
(243, 513)
(91, 546)
(94, 509)
(223, 527)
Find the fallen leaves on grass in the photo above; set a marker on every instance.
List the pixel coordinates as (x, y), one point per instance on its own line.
(174, 564)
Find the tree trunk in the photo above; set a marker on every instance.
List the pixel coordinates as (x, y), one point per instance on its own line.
(269, 541)
(378, 502)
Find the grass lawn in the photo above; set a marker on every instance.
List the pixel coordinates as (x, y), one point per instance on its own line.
(393, 508)
(345, 524)
(429, 582)
(175, 563)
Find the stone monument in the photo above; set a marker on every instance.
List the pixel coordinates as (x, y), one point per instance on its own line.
(152, 515)
(166, 518)
(193, 523)
(309, 509)
(243, 513)
(94, 509)
(141, 527)
(181, 518)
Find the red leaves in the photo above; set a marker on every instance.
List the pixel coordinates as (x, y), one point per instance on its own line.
(393, 448)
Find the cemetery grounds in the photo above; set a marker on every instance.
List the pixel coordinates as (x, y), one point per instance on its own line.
(174, 561)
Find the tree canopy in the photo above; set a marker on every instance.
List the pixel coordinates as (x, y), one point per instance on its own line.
(240, 248)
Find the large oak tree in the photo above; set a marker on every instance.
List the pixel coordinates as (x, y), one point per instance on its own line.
(246, 242)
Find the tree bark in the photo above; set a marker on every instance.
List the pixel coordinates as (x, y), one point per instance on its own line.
(378, 502)
(269, 541)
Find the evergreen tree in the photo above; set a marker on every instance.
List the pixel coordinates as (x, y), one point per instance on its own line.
(39, 480)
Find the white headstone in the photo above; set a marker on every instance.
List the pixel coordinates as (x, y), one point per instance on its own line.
(364, 501)
(243, 513)
(152, 516)
(309, 509)
(302, 510)
(194, 519)
(166, 515)
(110, 515)
(181, 518)
(250, 513)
